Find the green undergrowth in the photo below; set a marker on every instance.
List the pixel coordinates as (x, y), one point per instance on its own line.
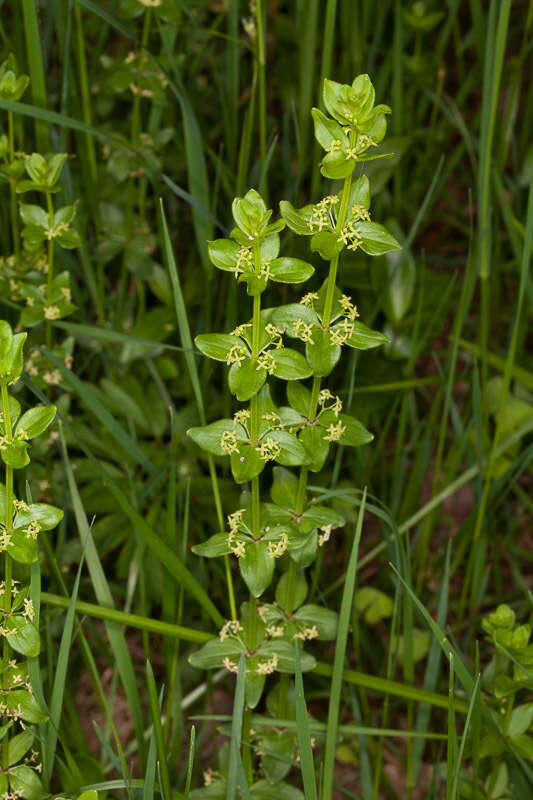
(397, 562)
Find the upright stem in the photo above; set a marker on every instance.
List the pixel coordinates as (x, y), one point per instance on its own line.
(256, 513)
(7, 557)
(13, 195)
(50, 273)
(313, 405)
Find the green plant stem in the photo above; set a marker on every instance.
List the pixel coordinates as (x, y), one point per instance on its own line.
(13, 195)
(313, 405)
(50, 273)
(7, 558)
(256, 510)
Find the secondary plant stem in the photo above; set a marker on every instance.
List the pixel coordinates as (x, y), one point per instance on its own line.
(313, 405)
(7, 558)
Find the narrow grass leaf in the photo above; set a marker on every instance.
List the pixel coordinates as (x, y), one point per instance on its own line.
(338, 665)
(302, 731)
(236, 729)
(108, 421)
(105, 598)
(60, 677)
(155, 707)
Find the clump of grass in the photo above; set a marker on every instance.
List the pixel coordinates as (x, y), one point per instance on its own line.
(193, 105)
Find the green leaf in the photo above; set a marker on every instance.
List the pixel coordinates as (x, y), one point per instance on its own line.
(291, 600)
(23, 636)
(249, 213)
(217, 345)
(277, 754)
(293, 453)
(223, 253)
(297, 219)
(213, 653)
(15, 455)
(324, 619)
(289, 364)
(45, 515)
(321, 354)
(69, 239)
(336, 166)
(22, 548)
(376, 239)
(290, 270)
(36, 420)
(254, 683)
(246, 379)
(317, 516)
(215, 546)
(6, 341)
(520, 720)
(286, 657)
(257, 567)
(19, 746)
(285, 317)
(355, 434)
(34, 215)
(317, 447)
(208, 437)
(394, 280)
(364, 338)
(299, 397)
(326, 244)
(25, 780)
(26, 704)
(246, 463)
(10, 352)
(327, 130)
(373, 604)
(360, 193)
(284, 487)
(262, 790)
(418, 644)
(524, 745)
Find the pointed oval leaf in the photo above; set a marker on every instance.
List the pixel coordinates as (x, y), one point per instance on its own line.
(246, 379)
(217, 345)
(208, 437)
(246, 464)
(290, 365)
(215, 546)
(290, 270)
(257, 567)
(36, 420)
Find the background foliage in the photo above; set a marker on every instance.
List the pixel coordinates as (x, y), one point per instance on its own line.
(194, 103)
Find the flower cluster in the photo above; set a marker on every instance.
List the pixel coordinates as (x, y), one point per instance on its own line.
(21, 523)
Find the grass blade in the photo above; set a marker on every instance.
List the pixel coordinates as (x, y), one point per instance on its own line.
(185, 333)
(60, 677)
(129, 620)
(303, 734)
(105, 598)
(340, 653)
(236, 732)
(89, 399)
(35, 62)
(155, 707)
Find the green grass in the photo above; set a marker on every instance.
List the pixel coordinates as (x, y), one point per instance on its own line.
(122, 601)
